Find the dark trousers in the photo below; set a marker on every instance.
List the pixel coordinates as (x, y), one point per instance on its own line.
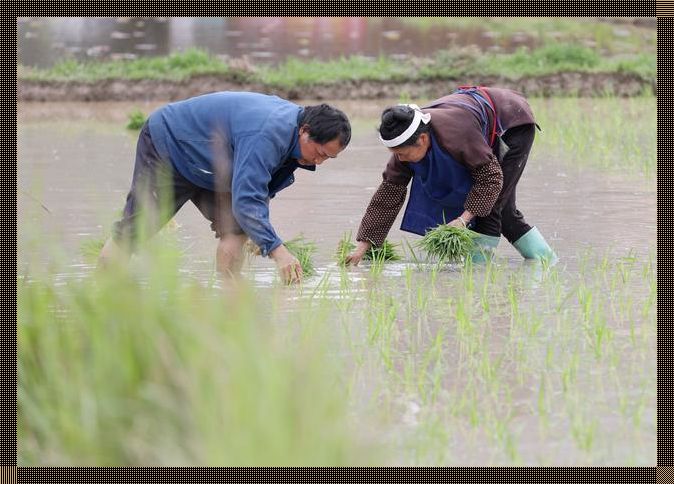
(158, 191)
(505, 218)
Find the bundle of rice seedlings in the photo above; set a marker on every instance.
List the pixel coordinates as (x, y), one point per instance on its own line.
(448, 244)
(303, 250)
(91, 248)
(299, 247)
(387, 252)
(344, 248)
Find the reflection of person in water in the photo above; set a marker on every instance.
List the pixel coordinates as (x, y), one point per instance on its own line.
(229, 153)
(464, 153)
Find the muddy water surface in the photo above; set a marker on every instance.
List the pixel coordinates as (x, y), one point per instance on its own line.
(526, 376)
(76, 161)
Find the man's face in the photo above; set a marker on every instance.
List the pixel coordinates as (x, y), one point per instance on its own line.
(314, 153)
(413, 153)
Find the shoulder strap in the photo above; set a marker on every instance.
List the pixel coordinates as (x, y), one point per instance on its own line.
(481, 92)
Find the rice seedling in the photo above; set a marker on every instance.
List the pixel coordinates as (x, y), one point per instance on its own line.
(446, 244)
(160, 367)
(386, 252)
(136, 120)
(485, 351)
(301, 248)
(344, 248)
(584, 431)
(91, 248)
(304, 251)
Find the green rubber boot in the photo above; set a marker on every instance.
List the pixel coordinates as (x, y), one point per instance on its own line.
(532, 245)
(486, 245)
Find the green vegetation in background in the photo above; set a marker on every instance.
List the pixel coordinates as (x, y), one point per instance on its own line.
(546, 60)
(136, 119)
(458, 63)
(614, 134)
(174, 67)
(295, 71)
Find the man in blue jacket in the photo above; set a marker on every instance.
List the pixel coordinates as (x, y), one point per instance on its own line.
(229, 153)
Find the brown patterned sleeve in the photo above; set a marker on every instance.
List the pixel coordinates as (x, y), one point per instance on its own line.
(381, 213)
(487, 184)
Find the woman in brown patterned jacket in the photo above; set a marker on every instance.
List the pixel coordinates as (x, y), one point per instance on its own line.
(464, 154)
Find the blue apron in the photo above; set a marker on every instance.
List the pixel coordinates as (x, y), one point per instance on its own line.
(440, 185)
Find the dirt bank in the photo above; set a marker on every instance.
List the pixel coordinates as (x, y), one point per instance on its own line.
(569, 83)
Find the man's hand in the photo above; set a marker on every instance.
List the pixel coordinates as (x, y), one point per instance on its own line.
(289, 267)
(357, 255)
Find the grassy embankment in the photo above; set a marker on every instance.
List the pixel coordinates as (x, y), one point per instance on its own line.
(458, 64)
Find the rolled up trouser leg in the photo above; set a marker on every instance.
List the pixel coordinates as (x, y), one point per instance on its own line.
(532, 245)
(485, 245)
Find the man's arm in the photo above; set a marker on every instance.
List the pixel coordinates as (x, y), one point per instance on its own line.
(255, 159)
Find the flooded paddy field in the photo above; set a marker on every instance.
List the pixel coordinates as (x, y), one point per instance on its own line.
(396, 363)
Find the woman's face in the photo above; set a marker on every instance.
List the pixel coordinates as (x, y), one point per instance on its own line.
(413, 153)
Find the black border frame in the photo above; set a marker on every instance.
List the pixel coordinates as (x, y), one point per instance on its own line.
(8, 446)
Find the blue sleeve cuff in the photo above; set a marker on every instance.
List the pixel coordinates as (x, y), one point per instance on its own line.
(264, 251)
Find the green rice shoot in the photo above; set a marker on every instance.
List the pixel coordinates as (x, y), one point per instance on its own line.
(91, 248)
(387, 252)
(136, 120)
(447, 244)
(304, 251)
(344, 248)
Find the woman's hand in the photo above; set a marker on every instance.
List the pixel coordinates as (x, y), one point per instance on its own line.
(462, 220)
(289, 267)
(357, 255)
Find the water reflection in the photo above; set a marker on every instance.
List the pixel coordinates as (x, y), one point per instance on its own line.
(43, 41)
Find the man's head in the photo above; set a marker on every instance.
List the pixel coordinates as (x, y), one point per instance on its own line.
(405, 131)
(324, 132)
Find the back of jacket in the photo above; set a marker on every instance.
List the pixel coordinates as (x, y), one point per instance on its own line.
(233, 142)
(205, 137)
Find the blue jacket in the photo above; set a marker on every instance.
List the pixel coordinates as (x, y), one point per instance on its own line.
(238, 142)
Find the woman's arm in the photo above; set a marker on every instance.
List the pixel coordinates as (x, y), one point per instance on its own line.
(382, 209)
(381, 213)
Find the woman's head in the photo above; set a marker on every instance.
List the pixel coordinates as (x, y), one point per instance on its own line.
(404, 129)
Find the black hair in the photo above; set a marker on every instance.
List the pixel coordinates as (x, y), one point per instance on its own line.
(395, 120)
(326, 123)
